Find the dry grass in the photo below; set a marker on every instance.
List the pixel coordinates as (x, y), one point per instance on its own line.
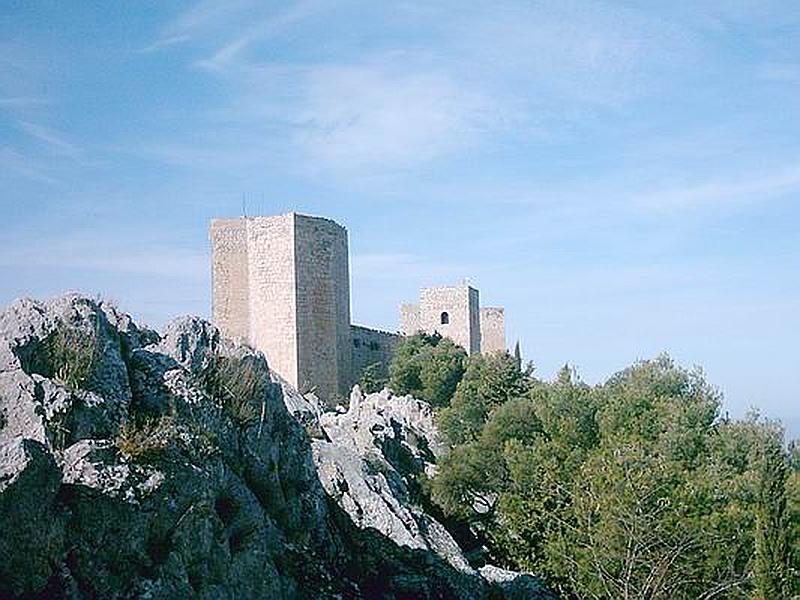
(146, 439)
(239, 385)
(68, 356)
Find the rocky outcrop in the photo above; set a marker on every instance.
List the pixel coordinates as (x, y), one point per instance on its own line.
(369, 464)
(128, 479)
(134, 465)
(371, 459)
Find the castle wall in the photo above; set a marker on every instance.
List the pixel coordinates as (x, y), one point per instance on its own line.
(461, 304)
(230, 299)
(323, 306)
(370, 346)
(493, 330)
(273, 294)
(410, 319)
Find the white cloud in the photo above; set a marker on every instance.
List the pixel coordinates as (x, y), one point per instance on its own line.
(55, 141)
(262, 30)
(22, 101)
(781, 72)
(166, 42)
(757, 187)
(16, 163)
(404, 267)
(357, 118)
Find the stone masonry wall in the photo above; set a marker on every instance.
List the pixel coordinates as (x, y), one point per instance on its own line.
(230, 299)
(323, 306)
(493, 330)
(370, 346)
(461, 305)
(474, 321)
(273, 294)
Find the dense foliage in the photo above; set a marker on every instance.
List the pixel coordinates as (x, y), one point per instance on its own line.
(428, 367)
(635, 488)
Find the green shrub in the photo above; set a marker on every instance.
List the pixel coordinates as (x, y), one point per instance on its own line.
(68, 356)
(372, 379)
(239, 385)
(427, 367)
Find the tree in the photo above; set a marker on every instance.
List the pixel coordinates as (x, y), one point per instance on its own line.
(793, 510)
(372, 379)
(631, 489)
(427, 367)
(489, 381)
(771, 568)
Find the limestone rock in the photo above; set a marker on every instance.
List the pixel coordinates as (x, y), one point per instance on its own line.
(34, 402)
(32, 527)
(368, 466)
(516, 586)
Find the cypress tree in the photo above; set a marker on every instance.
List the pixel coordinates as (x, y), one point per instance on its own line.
(771, 561)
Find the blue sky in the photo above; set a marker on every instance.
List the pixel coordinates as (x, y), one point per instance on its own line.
(623, 177)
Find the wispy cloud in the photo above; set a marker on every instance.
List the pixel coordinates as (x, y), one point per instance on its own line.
(781, 72)
(208, 13)
(166, 42)
(53, 140)
(404, 266)
(386, 110)
(360, 118)
(757, 187)
(262, 30)
(14, 162)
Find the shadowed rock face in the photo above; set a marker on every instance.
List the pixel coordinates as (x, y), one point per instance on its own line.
(128, 471)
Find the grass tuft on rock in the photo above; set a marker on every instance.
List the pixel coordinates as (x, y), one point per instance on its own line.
(146, 439)
(68, 356)
(239, 385)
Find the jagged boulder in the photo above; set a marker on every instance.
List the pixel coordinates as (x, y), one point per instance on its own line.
(516, 586)
(63, 375)
(370, 462)
(130, 478)
(368, 465)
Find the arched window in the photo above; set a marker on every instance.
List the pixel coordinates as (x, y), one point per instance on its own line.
(445, 318)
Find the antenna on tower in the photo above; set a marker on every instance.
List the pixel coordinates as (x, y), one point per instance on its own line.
(244, 205)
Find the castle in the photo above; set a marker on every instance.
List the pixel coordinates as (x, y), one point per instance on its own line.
(282, 283)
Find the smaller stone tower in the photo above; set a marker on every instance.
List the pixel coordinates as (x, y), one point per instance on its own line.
(453, 311)
(493, 329)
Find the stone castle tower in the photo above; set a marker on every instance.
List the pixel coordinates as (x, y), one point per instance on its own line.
(455, 312)
(282, 283)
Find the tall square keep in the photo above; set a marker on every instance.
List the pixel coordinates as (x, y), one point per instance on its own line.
(282, 283)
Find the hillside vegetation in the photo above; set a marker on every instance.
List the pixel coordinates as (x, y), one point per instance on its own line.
(634, 488)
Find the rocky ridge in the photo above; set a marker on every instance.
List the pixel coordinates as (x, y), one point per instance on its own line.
(138, 465)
